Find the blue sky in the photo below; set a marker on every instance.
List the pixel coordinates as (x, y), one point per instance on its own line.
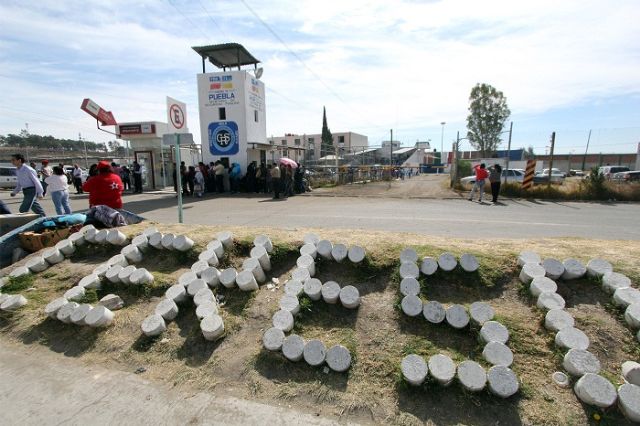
(565, 66)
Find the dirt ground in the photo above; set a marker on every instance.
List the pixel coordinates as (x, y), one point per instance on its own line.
(423, 186)
(377, 334)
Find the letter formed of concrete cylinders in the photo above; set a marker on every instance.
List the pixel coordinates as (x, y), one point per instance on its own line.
(283, 320)
(442, 369)
(309, 249)
(195, 286)
(307, 262)
(469, 263)
(293, 347)
(141, 277)
(325, 248)
(573, 269)
(217, 248)
(457, 316)
(118, 259)
(132, 253)
(503, 382)
(182, 243)
(101, 236)
(339, 252)
(211, 276)
(186, 278)
(140, 241)
(493, 331)
(52, 255)
(112, 273)
(579, 362)
(228, 277)
(206, 309)
(246, 281)
(528, 256)
(99, 316)
(629, 401)
(409, 270)
(624, 297)
(36, 264)
(611, 281)
(116, 238)
(77, 239)
(52, 308)
(272, 339)
(253, 265)
(264, 241)
(572, 338)
(290, 303)
(204, 295)
(19, 272)
(261, 254)
(434, 312)
(409, 287)
(557, 319)
(632, 315)
(447, 262)
(199, 266)
(80, 313)
(301, 274)
(330, 292)
(595, 390)
(313, 289)
(155, 240)
(350, 297)
(226, 238)
(596, 268)
(542, 285)
(125, 274)
(101, 269)
(167, 241)
(553, 268)
(497, 353)
(549, 301)
(631, 372)
(293, 288)
(74, 293)
(481, 312)
(356, 254)
(90, 235)
(530, 271)
(64, 313)
(167, 309)
(66, 247)
(314, 352)
(311, 238)
(414, 369)
(210, 257)
(90, 281)
(411, 305)
(429, 266)
(408, 255)
(472, 376)
(153, 325)
(13, 302)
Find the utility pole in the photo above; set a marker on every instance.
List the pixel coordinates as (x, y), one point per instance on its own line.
(26, 125)
(86, 160)
(584, 159)
(508, 153)
(553, 141)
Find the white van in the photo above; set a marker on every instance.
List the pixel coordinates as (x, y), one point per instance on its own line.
(8, 177)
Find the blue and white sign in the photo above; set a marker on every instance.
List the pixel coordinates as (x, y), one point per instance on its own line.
(223, 138)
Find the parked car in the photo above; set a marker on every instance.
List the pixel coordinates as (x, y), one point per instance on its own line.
(8, 177)
(512, 175)
(543, 177)
(631, 176)
(609, 171)
(573, 172)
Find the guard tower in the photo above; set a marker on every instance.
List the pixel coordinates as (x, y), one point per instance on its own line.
(231, 103)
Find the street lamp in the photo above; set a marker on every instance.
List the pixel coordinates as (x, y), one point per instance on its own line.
(442, 142)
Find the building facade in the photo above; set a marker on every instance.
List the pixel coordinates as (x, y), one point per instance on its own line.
(306, 148)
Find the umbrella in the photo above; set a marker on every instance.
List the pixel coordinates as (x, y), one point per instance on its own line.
(289, 162)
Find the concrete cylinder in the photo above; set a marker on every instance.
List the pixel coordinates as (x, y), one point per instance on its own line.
(253, 265)
(442, 369)
(314, 352)
(330, 292)
(77, 239)
(118, 259)
(153, 325)
(293, 347)
(579, 362)
(167, 309)
(469, 262)
(339, 252)
(141, 241)
(408, 255)
(217, 248)
(211, 276)
(293, 288)
(228, 277)
(434, 312)
(528, 256)
(90, 235)
(246, 281)
(195, 286)
(414, 369)
(493, 331)
(309, 249)
(226, 238)
(311, 238)
(502, 381)
(631, 372)
(356, 254)
(177, 293)
(629, 401)
(261, 254)
(116, 238)
(573, 269)
(155, 240)
(52, 308)
(572, 338)
(283, 320)
(272, 339)
(596, 268)
(210, 257)
(557, 319)
(447, 262)
(264, 241)
(548, 301)
(52, 255)
(595, 390)
(481, 312)
(457, 316)
(290, 303)
(300, 274)
(530, 271)
(186, 278)
(112, 273)
(409, 286)
(19, 271)
(349, 297)
(149, 231)
(632, 315)
(429, 266)
(36, 264)
(199, 267)
(542, 285)
(212, 327)
(324, 248)
(624, 297)
(80, 313)
(472, 376)
(66, 247)
(167, 241)
(411, 305)
(553, 268)
(64, 313)
(99, 316)
(74, 294)
(611, 281)
(307, 262)
(125, 274)
(132, 253)
(101, 269)
(182, 243)
(409, 270)
(13, 302)
(497, 353)
(90, 281)
(141, 277)
(206, 309)
(313, 289)
(101, 236)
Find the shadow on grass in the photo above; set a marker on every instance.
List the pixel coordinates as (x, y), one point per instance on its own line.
(68, 339)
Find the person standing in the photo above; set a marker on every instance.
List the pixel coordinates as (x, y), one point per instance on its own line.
(191, 180)
(27, 181)
(45, 172)
(183, 178)
(481, 175)
(125, 175)
(234, 177)
(219, 173)
(199, 183)
(105, 188)
(137, 178)
(275, 181)
(59, 189)
(77, 178)
(495, 176)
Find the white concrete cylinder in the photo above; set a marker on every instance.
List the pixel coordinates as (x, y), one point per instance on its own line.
(99, 316)
(290, 303)
(19, 271)
(132, 253)
(293, 347)
(624, 297)
(330, 292)
(90, 281)
(36, 264)
(502, 381)
(140, 241)
(493, 331)
(212, 327)
(629, 401)
(530, 271)
(457, 316)
(579, 362)
(573, 269)
(447, 262)
(301, 274)
(206, 309)
(64, 313)
(557, 319)
(141, 277)
(314, 352)
(553, 268)
(542, 285)
(253, 265)
(409, 286)
(77, 239)
(349, 297)
(112, 302)
(325, 248)
(272, 339)
(596, 268)
(528, 256)
(177, 293)
(182, 243)
(411, 305)
(66, 247)
(428, 266)
(261, 254)
(167, 309)
(339, 252)
(52, 308)
(631, 372)
(572, 338)
(211, 276)
(481, 312)
(204, 295)
(228, 277)
(309, 249)
(497, 353)
(80, 313)
(414, 369)
(90, 235)
(408, 255)
(434, 312)
(149, 231)
(210, 257)
(116, 238)
(293, 288)
(313, 289)
(409, 270)
(264, 241)
(112, 273)
(74, 293)
(167, 241)
(52, 255)
(548, 301)
(632, 315)
(13, 302)
(118, 259)
(472, 376)
(611, 281)
(153, 325)
(283, 320)
(246, 281)
(195, 286)
(217, 248)
(307, 262)
(226, 238)
(311, 238)
(101, 236)
(199, 266)
(155, 240)
(125, 274)
(101, 269)
(356, 254)
(469, 262)
(595, 390)
(442, 369)
(186, 278)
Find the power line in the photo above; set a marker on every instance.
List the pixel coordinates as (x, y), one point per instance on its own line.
(213, 20)
(193, 25)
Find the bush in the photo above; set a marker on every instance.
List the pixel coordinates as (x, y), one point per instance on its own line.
(464, 168)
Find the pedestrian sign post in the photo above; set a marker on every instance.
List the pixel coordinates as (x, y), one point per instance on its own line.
(176, 139)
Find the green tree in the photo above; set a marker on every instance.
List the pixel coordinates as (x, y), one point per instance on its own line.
(529, 154)
(326, 146)
(488, 111)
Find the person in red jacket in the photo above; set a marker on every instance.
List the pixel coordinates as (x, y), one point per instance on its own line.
(481, 175)
(105, 188)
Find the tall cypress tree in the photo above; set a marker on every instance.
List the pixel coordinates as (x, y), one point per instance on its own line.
(326, 146)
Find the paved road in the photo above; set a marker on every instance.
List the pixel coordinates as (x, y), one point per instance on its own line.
(455, 218)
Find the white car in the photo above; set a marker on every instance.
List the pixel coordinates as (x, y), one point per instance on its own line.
(543, 177)
(512, 175)
(8, 177)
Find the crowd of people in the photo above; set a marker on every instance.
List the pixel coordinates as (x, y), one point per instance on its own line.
(494, 175)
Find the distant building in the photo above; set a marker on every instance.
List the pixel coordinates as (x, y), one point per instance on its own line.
(305, 148)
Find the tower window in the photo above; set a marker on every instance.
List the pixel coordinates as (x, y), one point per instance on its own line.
(222, 113)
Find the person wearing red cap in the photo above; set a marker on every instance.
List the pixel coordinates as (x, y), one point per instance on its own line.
(105, 188)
